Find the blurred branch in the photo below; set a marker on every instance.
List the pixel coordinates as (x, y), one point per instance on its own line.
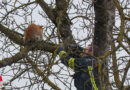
(24, 5)
(115, 66)
(121, 44)
(17, 76)
(122, 18)
(40, 73)
(127, 39)
(109, 53)
(127, 18)
(18, 56)
(84, 17)
(125, 75)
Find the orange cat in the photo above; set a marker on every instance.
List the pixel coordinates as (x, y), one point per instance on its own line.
(33, 31)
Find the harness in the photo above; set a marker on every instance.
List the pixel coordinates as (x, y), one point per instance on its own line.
(90, 68)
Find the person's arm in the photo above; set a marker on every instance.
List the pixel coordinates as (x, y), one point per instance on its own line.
(76, 63)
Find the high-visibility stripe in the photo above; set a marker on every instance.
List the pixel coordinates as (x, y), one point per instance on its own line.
(61, 53)
(81, 54)
(71, 63)
(92, 77)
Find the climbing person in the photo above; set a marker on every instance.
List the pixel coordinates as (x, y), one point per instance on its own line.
(85, 67)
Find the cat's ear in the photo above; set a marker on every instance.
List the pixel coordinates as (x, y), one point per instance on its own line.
(41, 26)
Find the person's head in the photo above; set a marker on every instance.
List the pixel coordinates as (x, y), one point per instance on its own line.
(88, 50)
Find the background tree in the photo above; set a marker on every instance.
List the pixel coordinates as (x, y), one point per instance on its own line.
(70, 22)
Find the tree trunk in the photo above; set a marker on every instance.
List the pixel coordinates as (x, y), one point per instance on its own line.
(104, 22)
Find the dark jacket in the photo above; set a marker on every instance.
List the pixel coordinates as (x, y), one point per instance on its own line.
(86, 71)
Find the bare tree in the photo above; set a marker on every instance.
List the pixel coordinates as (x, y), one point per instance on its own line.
(69, 22)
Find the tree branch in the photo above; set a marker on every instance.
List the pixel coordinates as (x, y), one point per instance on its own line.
(125, 74)
(48, 10)
(17, 38)
(49, 47)
(122, 18)
(12, 35)
(60, 18)
(40, 73)
(64, 23)
(18, 56)
(115, 66)
(16, 9)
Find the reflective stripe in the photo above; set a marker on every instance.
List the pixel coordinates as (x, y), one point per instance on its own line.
(71, 63)
(81, 54)
(61, 53)
(92, 77)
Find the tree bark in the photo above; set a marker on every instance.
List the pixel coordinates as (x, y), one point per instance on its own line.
(104, 22)
(59, 17)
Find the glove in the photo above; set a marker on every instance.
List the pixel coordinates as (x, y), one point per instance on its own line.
(75, 47)
(60, 48)
(74, 50)
(60, 51)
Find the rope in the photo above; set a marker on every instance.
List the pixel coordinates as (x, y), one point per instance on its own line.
(92, 37)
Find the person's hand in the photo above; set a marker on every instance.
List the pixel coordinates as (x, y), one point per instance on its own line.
(74, 50)
(74, 47)
(60, 48)
(61, 51)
